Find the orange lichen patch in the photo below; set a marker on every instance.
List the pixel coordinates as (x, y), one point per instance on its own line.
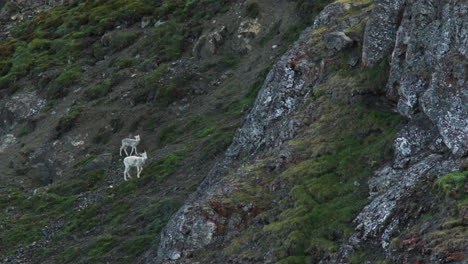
(409, 242)
(6, 50)
(223, 209)
(455, 256)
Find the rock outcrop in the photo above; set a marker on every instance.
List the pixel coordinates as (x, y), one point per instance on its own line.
(427, 42)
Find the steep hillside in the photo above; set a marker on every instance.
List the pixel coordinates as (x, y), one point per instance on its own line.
(277, 131)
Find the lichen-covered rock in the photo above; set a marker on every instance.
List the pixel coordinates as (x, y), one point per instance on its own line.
(379, 37)
(337, 40)
(18, 108)
(427, 71)
(428, 82)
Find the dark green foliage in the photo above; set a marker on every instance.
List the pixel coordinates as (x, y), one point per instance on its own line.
(166, 41)
(6, 81)
(40, 44)
(137, 245)
(103, 136)
(122, 63)
(122, 40)
(67, 121)
(116, 125)
(253, 10)
(101, 246)
(168, 135)
(101, 89)
(5, 67)
(160, 169)
(23, 229)
(453, 184)
(325, 196)
(375, 78)
(70, 255)
(230, 61)
(82, 221)
(60, 87)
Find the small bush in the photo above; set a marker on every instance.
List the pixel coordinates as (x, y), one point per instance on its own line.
(122, 40)
(101, 246)
(453, 184)
(6, 81)
(102, 137)
(59, 87)
(67, 121)
(166, 41)
(5, 67)
(253, 10)
(122, 63)
(230, 61)
(40, 44)
(98, 90)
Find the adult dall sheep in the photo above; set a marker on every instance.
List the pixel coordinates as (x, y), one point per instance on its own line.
(134, 161)
(130, 142)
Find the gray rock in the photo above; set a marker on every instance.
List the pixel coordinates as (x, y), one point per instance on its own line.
(381, 29)
(337, 40)
(18, 108)
(41, 173)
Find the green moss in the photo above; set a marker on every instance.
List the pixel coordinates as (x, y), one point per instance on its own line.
(453, 184)
(230, 61)
(253, 10)
(358, 258)
(101, 246)
(40, 44)
(137, 245)
(160, 169)
(166, 41)
(60, 86)
(5, 67)
(67, 121)
(101, 89)
(70, 255)
(122, 40)
(83, 221)
(122, 63)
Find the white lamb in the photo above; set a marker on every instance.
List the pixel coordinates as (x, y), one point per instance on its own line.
(134, 161)
(130, 142)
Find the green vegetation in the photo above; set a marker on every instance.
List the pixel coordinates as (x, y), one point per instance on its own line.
(101, 89)
(59, 87)
(453, 184)
(101, 246)
(67, 121)
(253, 10)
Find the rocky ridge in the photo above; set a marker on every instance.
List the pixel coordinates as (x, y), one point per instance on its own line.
(427, 42)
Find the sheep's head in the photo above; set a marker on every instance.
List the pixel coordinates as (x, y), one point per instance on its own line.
(137, 137)
(144, 155)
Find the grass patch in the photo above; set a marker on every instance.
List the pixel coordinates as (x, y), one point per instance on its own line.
(67, 122)
(101, 89)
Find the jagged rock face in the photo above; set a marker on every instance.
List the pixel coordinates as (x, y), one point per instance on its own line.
(18, 108)
(428, 80)
(428, 72)
(268, 125)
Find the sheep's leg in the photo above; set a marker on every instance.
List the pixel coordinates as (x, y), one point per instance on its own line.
(125, 173)
(121, 150)
(136, 150)
(131, 151)
(125, 149)
(139, 171)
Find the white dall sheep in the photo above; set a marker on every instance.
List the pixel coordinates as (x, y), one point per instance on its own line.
(130, 142)
(134, 161)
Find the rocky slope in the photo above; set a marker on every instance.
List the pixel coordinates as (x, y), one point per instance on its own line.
(427, 42)
(353, 150)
